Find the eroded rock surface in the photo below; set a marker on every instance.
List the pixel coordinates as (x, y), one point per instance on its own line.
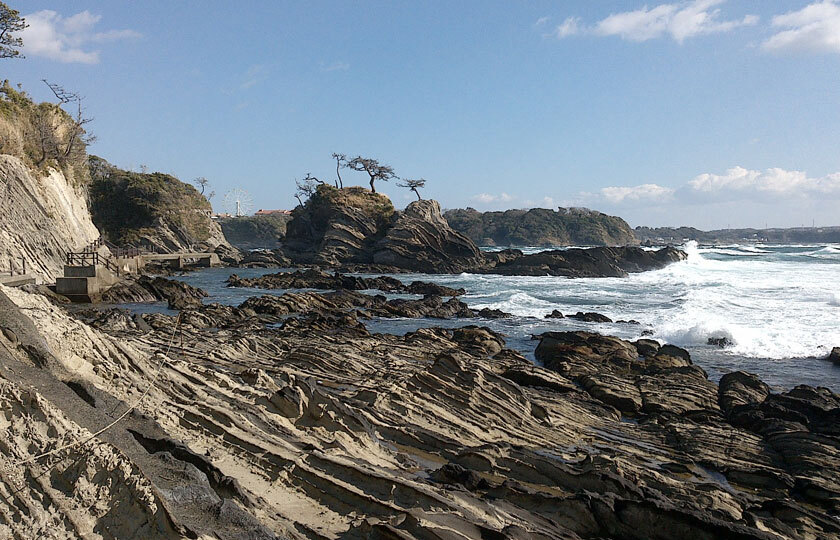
(316, 428)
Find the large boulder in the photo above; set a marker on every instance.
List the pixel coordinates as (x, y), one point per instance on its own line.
(422, 240)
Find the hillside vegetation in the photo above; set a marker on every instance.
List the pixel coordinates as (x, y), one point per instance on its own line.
(42, 135)
(541, 227)
(153, 209)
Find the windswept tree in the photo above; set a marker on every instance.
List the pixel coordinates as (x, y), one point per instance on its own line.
(202, 183)
(374, 169)
(76, 138)
(413, 185)
(10, 23)
(306, 187)
(340, 160)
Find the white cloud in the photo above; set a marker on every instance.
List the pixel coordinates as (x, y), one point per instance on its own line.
(814, 28)
(644, 192)
(50, 35)
(772, 183)
(541, 21)
(570, 27)
(488, 198)
(680, 21)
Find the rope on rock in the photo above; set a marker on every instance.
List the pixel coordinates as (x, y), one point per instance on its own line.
(163, 362)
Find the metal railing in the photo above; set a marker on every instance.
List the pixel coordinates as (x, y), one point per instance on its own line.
(91, 258)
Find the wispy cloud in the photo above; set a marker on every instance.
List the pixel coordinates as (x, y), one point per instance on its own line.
(335, 66)
(253, 76)
(679, 21)
(488, 198)
(814, 28)
(67, 39)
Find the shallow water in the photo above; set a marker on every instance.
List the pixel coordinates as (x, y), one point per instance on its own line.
(779, 305)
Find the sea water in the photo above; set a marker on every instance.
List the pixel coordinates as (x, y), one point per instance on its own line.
(778, 306)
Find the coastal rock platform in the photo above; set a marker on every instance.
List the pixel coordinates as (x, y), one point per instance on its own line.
(316, 428)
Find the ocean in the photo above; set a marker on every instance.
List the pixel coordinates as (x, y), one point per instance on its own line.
(778, 306)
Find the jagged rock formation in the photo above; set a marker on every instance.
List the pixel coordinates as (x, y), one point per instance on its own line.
(541, 227)
(354, 225)
(42, 217)
(337, 226)
(421, 240)
(154, 210)
(593, 262)
(318, 428)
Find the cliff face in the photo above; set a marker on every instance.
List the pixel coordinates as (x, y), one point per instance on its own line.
(420, 239)
(338, 226)
(542, 227)
(41, 219)
(154, 210)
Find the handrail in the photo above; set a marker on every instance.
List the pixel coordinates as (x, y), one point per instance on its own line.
(91, 258)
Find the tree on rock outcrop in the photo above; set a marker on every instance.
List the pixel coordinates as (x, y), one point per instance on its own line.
(340, 161)
(374, 169)
(76, 139)
(10, 23)
(413, 185)
(202, 183)
(306, 187)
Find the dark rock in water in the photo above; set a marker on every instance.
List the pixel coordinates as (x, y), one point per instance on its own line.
(277, 307)
(487, 313)
(590, 317)
(316, 279)
(554, 315)
(719, 341)
(648, 332)
(154, 289)
(834, 356)
(631, 321)
(420, 239)
(592, 262)
(426, 288)
(264, 259)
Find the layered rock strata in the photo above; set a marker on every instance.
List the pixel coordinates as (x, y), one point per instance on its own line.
(320, 429)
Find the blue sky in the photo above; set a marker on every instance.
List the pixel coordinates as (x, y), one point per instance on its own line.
(710, 113)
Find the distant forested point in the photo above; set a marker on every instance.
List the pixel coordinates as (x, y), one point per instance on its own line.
(795, 235)
(541, 227)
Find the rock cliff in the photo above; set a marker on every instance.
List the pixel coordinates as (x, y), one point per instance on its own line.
(337, 226)
(42, 217)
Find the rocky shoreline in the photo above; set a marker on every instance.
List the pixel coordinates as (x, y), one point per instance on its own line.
(285, 417)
